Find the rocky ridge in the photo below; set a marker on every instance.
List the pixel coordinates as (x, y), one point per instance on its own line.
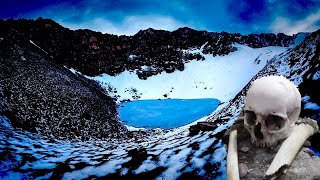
(148, 52)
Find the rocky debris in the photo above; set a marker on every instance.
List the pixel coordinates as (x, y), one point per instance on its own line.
(202, 126)
(310, 79)
(254, 161)
(138, 156)
(125, 100)
(39, 95)
(308, 53)
(243, 170)
(93, 53)
(305, 166)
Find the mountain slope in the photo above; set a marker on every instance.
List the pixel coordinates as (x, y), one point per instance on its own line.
(300, 65)
(41, 96)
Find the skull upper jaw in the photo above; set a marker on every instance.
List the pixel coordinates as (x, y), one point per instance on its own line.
(266, 128)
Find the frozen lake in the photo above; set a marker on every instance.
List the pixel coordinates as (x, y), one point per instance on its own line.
(165, 113)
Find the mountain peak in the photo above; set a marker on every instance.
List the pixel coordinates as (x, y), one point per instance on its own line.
(150, 31)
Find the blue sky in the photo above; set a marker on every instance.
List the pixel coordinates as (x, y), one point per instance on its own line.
(129, 16)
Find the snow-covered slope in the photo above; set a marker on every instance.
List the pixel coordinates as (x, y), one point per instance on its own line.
(167, 156)
(220, 77)
(299, 64)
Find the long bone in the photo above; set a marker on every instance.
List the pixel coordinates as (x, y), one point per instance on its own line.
(290, 148)
(232, 158)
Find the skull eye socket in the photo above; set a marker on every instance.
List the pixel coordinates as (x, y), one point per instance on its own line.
(250, 118)
(275, 123)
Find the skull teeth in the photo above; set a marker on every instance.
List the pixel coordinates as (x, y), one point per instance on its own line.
(260, 144)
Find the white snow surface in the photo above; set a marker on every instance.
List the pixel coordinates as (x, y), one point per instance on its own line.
(316, 75)
(220, 77)
(309, 105)
(38, 46)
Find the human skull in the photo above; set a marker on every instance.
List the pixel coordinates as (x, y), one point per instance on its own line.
(272, 106)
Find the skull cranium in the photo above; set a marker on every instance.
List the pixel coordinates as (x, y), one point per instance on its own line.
(272, 106)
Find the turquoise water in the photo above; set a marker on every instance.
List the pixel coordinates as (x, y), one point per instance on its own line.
(167, 113)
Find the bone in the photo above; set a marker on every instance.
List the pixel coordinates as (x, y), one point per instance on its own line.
(232, 158)
(290, 148)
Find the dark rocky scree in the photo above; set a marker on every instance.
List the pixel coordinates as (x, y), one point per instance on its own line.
(93, 53)
(39, 95)
(309, 86)
(202, 126)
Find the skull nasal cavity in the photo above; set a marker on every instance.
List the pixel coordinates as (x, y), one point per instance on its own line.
(257, 131)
